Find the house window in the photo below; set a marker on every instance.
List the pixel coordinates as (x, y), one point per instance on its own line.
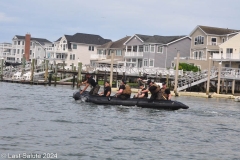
(151, 63)
(172, 64)
(64, 47)
(199, 40)
(223, 40)
(140, 49)
(152, 48)
(18, 51)
(64, 41)
(119, 53)
(73, 58)
(91, 48)
(70, 57)
(198, 55)
(31, 44)
(22, 51)
(22, 42)
(159, 49)
(146, 48)
(14, 51)
(74, 46)
(214, 41)
(33, 55)
(227, 65)
(229, 53)
(30, 52)
(145, 63)
(15, 42)
(19, 42)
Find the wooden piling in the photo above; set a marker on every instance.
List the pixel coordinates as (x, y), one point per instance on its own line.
(233, 86)
(176, 75)
(219, 76)
(55, 78)
(32, 70)
(46, 70)
(23, 65)
(73, 80)
(50, 79)
(79, 74)
(222, 85)
(111, 70)
(2, 69)
(208, 77)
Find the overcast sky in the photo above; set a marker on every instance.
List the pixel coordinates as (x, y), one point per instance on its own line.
(113, 19)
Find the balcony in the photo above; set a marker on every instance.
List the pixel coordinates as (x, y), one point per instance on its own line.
(97, 57)
(226, 56)
(133, 54)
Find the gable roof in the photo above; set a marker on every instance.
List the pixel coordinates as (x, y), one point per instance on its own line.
(158, 39)
(215, 30)
(117, 44)
(163, 39)
(86, 39)
(40, 40)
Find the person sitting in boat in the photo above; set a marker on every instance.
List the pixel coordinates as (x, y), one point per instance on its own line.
(153, 89)
(124, 91)
(93, 83)
(107, 90)
(165, 92)
(140, 93)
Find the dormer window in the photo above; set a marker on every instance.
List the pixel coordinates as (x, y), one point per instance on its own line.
(64, 41)
(199, 40)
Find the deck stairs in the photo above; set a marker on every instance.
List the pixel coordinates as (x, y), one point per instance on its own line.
(193, 78)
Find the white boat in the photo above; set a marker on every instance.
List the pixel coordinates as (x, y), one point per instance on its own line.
(17, 76)
(237, 99)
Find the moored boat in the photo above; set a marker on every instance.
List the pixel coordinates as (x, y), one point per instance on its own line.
(141, 102)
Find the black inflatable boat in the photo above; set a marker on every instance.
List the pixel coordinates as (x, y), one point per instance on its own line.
(144, 103)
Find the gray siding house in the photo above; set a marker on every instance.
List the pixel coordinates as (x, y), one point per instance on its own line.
(155, 51)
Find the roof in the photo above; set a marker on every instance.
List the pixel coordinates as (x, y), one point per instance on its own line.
(158, 39)
(143, 37)
(40, 40)
(217, 31)
(117, 44)
(163, 39)
(86, 39)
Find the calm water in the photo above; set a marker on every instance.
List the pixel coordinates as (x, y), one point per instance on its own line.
(45, 119)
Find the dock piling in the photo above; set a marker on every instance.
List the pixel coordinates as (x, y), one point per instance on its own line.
(2, 69)
(176, 75)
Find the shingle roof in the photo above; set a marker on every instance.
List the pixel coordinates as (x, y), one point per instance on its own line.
(117, 44)
(40, 40)
(86, 38)
(163, 39)
(143, 37)
(217, 31)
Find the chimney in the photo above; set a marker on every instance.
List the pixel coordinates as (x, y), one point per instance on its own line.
(27, 46)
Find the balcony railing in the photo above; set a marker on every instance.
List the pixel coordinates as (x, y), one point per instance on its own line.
(98, 56)
(226, 56)
(214, 43)
(133, 54)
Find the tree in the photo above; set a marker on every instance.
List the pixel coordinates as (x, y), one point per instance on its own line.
(188, 67)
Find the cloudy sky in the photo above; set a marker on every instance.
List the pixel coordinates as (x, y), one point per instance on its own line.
(113, 19)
